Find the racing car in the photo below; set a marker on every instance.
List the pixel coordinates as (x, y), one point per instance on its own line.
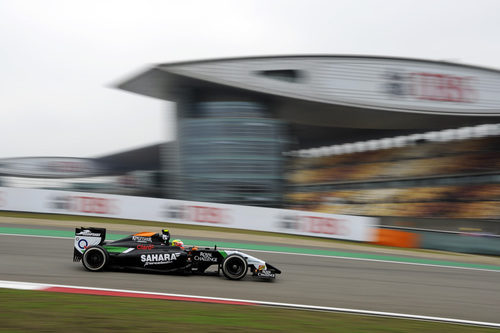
(154, 252)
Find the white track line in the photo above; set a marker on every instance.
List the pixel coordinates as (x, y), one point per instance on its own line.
(378, 260)
(315, 255)
(41, 287)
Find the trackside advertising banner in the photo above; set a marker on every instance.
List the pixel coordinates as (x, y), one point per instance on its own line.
(346, 227)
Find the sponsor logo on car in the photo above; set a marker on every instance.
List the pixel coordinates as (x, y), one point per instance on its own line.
(266, 274)
(145, 247)
(82, 243)
(159, 258)
(88, 233)
(205, 256)
(141, 239)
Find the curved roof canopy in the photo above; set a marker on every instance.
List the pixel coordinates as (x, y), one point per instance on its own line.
(340, 91)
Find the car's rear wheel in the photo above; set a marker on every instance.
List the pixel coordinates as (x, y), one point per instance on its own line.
(234, 267)
(95, 258)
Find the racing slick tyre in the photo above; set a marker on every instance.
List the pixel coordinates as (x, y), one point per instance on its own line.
(95, 258)
(234, 267)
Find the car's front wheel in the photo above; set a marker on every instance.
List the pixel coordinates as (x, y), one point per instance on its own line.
(95, 258)
(234, 267)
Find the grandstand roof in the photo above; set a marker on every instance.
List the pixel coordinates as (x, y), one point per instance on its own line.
(360, 92)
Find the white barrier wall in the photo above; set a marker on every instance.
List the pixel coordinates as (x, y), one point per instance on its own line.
(346, 227)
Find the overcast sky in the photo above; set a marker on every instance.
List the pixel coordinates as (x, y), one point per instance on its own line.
(59, 60)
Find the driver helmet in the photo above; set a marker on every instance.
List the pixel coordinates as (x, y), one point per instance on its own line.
(178, 242)
(165, 235)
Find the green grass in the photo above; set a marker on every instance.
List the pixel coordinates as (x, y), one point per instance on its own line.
(36, 311)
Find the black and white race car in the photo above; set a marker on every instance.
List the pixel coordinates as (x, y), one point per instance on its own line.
(148, 251)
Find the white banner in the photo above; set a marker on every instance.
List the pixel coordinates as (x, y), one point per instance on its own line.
(356, 228)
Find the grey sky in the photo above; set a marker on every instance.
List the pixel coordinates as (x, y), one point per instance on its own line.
(59, 59)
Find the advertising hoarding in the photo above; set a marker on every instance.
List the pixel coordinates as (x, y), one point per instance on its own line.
(346, 227)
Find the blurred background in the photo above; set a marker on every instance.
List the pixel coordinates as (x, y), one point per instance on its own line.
(270, 130)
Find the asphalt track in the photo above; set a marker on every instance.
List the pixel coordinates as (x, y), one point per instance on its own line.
(313, 280)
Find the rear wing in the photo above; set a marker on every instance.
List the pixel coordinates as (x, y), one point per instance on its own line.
(85, 237)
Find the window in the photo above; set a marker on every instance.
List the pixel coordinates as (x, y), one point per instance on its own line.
(288, 75)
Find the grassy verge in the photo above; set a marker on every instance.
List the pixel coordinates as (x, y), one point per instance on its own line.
(35, 311)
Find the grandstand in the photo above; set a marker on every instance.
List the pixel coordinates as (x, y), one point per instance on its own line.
(458, 179)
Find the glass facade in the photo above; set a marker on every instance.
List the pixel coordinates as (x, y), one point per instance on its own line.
(231, 152)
